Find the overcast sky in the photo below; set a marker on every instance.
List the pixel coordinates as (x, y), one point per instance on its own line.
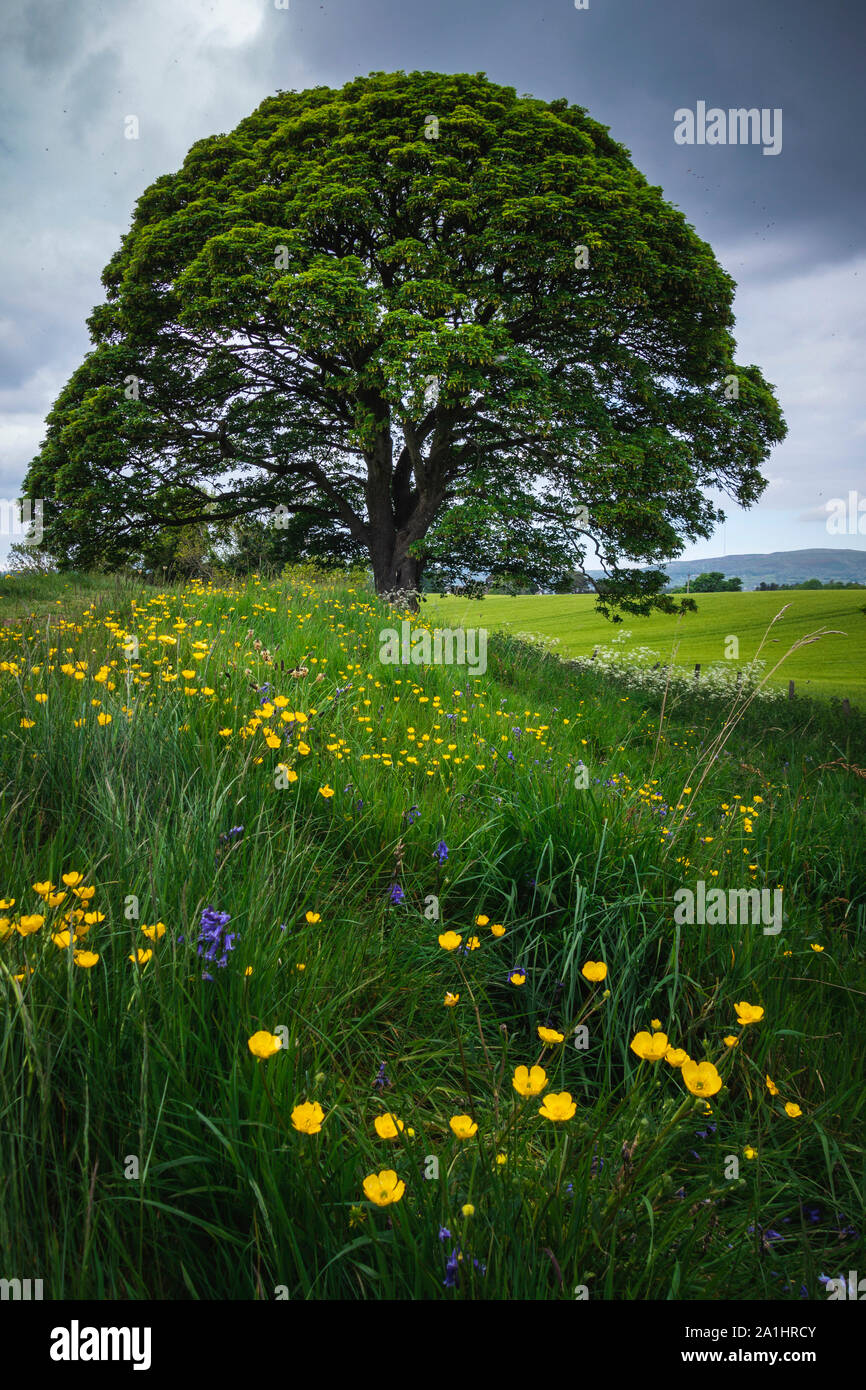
(788, 227)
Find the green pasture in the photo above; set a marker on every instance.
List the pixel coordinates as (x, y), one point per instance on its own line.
(835, 666)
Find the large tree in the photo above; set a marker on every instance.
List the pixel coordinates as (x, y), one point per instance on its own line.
(447, 325)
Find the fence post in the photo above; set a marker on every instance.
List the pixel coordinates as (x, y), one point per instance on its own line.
(697, 670)
(846, 706)
(790, 690)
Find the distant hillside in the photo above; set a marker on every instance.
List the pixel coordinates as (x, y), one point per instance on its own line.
(780, 567)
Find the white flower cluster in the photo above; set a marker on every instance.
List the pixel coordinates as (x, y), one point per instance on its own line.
(641, 668)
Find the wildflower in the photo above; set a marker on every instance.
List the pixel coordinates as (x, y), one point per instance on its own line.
(140, 957)
(388, 1126)
(676, 1056)
(501, 1158)
(701, 1078)
(384, 1188)
(440, 853)
(594, 970)
(650, 1047)
(463, 1126)
(450, 940)
(43, 889)
(153, 933)
(103, 719)
(557, 1107)
(517, 977)
(750, 1152)
(481, 921)
(450, 999)
(731, 1041)
(497, 929)
(772, 1087)
(29, 922)
(467, 1209)
(815, 947)
(472, 944)
(62, 939)
(550, 1035)
(249, 970)
(396, 894)
(312, 918)
(308, 1118)
(748, 1013)
(381, 1079)
(263, 1045)
(444, 1233)
(792, 1109)
(529, 1081)
(655, 1023)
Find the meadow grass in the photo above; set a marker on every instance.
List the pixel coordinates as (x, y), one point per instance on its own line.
(146, 1153)
(837, 668)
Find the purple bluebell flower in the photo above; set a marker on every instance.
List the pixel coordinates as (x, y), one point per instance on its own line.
(396, 894)
(441, 852)
(452, 1268)
(444, 1233)
(381, 1079)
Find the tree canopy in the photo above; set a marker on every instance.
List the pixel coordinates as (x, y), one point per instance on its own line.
(438, 325)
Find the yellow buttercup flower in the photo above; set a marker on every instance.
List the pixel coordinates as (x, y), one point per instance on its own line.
(497, 929)
(388, 1126)
(772, 1087)
(450, 940)
(676, 1056)
(701, 1078)
(43, 889)
(655, 1023)
(263, 1044)
(62, 939)
(309, 1117)
(153, 933)
(529, 1081)
(326, 791)
(557, 1107)
(594, 970)
(481, 921)
(86, 959)
(384, 1188)
(750, 1152)
(731, 1041)
(550, 1035)
(792, 1109)
(72, 879)
(650, 1047)
(467, 1209)
(463, 1126)
(313, 917)
(450, 999)
(140, 957)
(30, 922)
(748, 1013)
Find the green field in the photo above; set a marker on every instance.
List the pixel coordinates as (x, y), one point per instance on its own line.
(835, 666)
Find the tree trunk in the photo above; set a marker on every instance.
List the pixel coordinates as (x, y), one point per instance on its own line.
(396, 574)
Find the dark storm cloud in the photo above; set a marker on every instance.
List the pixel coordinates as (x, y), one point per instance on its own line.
(787, 227)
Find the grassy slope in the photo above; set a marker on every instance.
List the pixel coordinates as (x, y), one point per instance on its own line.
(835, 666)
(100, 1064)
